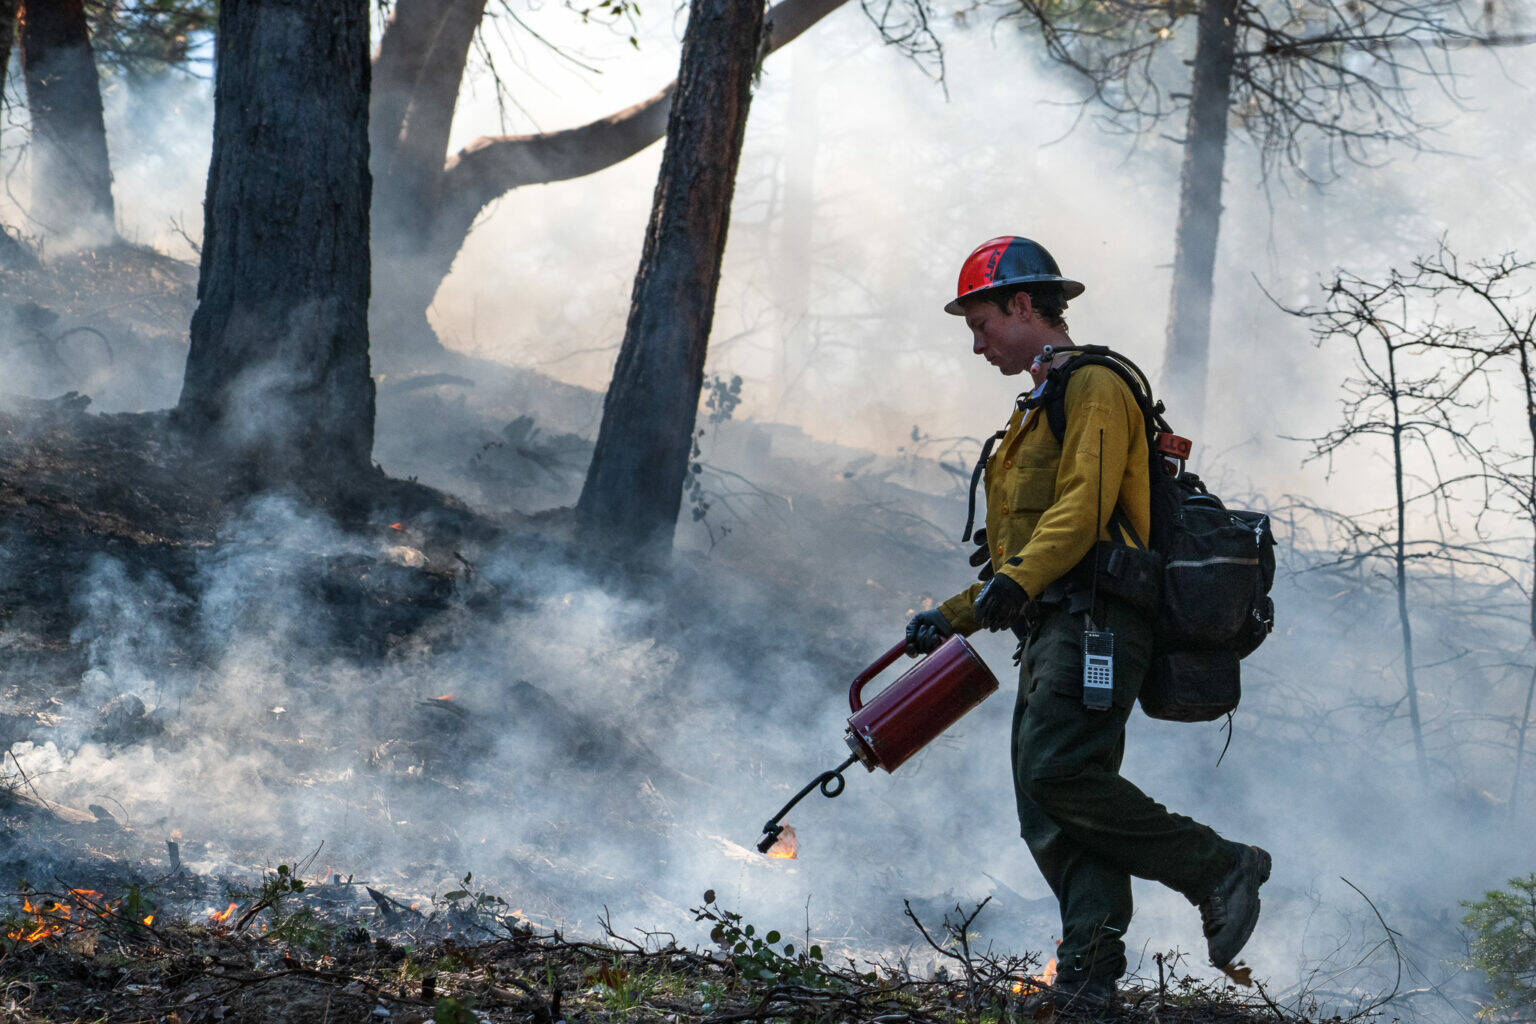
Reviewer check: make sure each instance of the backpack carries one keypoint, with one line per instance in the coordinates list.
(1204, 576)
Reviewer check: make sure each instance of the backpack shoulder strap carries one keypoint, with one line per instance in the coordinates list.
(1053, 396)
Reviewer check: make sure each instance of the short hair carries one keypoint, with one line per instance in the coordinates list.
(1046, 297)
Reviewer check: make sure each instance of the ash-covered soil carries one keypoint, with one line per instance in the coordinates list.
(314, 956)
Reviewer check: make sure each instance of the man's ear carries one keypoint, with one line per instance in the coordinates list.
(1022, 305)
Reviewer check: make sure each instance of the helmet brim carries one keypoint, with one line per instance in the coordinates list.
(1069, 290)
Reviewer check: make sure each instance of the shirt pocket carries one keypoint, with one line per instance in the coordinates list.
(1030, 489)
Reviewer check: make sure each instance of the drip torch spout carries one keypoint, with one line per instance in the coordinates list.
(831, 783)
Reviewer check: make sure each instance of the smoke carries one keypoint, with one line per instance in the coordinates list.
(605, 745)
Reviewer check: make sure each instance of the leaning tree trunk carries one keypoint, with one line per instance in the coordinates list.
(629, 504)
(1194, 257)
(278, 368)
(71, 175)
(426, 202)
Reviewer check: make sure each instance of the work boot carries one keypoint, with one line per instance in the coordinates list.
(1081, 996)
(1229, 912)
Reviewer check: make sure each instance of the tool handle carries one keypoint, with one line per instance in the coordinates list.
(856, 691)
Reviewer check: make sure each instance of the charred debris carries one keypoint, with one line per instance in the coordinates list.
(336, 950)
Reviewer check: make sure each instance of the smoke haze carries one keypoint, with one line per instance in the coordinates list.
(623, 747)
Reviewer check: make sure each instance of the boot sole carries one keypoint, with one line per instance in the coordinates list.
(1264, 864)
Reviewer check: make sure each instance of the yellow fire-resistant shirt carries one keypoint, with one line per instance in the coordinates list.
(1041, 493)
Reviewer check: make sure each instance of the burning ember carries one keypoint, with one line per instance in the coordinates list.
(786, 847)
(1042, 980)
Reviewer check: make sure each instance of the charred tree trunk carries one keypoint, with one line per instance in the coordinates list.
(278, 368)
(633, 490)
(426, 203)
(13, 252)
(71, 175)
(8, 10)
(1194, 257)
(418, 72)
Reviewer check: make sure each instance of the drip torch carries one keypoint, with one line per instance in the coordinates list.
(902, 718)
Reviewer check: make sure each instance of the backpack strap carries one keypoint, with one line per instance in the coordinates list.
(981, 464)
(1054, 394)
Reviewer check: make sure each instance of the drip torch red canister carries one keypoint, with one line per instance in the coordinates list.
(902, 718)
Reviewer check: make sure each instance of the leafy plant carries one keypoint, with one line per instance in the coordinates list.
(623, 990)
(1503, 946)
(449, 1010)
(275, 887)
(721, 397)
(304, 928)
(762, 957)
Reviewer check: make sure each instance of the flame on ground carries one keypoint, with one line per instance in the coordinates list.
(1044, 979)
(219, 917)
(786, 847)
(48, 920)
(54, 918)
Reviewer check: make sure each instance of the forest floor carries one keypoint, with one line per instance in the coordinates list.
(309, 956)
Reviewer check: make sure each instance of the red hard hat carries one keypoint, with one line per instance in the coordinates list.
(1004, 261)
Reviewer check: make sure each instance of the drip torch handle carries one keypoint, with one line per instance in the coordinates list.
(856, 691)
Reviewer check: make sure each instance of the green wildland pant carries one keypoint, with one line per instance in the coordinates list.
(1089, 828)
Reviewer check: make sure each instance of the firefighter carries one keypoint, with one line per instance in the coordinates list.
(1089, 829)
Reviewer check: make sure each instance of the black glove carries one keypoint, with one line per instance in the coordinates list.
(981, 558)
(999, 603)
(926, 631)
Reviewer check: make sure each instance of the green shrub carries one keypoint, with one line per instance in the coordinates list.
(1502, 945)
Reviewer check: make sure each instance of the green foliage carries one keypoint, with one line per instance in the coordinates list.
(303, 928)
(150, 36)
(448, 1010)
(721, 397)
(621, 990)
(1503, 946)
(755, 956)
(135, 906)
(616, 14)
(276, 886)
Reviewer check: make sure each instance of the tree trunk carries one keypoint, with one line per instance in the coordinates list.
(629, 503)
(71, 176)
(1194, 257)
(14, 253)
(426, 206)
(418, 74)
(1401, 565)
(278, 368)
(7, 36)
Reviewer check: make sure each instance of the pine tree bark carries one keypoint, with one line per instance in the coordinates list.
(427, 202)
(13, 252)
(8, 10)
(278, 368)
(629, 503)
(1194, 259)
(71, 174)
